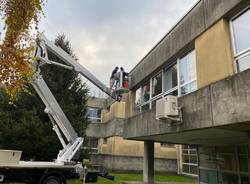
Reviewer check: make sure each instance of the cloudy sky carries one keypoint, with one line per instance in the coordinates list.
(109, 33)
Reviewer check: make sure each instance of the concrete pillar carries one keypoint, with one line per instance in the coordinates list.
(148, 162)
(179, 159)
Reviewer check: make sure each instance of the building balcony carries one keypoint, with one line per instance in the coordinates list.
(216, 114)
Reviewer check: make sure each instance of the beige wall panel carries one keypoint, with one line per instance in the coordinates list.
(130, 103)
(214, 58)
(106, 148)
(117, 110)
(127, 147)
(119, 146)
(122, 147)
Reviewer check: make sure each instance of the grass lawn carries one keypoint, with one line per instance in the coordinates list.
(136, 177)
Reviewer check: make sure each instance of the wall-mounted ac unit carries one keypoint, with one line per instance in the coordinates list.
(167, 107)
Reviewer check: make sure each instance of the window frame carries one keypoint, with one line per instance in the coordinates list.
(179, 73)
(236, 154)
(165, 93)
(240, 54)
(189, 154)
(94, 119)
(152, 99)
(141, 104)
(150, 92)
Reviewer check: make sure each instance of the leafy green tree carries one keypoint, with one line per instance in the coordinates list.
(25, 126)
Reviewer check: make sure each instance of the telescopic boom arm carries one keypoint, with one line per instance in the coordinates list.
(70, 62)
(61, 124)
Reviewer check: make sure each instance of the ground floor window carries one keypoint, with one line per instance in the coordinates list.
(224, 165)
(189, 160)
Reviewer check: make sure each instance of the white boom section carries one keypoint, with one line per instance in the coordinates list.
(60, 122)
(53, 108)
(58, 119)
(46, 44)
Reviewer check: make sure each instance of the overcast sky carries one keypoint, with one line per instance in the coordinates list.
(109, 33)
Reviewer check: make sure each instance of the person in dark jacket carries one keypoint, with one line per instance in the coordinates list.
(125, 74)
(114, 77)
(124, 77)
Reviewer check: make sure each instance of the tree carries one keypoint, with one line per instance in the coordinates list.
(16, 49)
(26, 127)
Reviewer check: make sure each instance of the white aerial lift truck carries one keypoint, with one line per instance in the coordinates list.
(64, 166)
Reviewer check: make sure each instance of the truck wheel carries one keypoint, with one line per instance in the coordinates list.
(52, 180)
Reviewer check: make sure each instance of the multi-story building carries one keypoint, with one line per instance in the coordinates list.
(118, 154)
(204, 60)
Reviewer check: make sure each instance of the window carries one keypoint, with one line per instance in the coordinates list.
(138, 97)
(92, 143)
(142, 98)
(146, 92)
(94, 114)
(177, 79)
(187, 78)
(153, 103)
(240, 33)
(170, 79)
(229, 164)
(189, 160)
(157, 85)
(145, 107)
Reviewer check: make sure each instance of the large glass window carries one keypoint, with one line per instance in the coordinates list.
(241, 30)
(170, 79)
(157, 84)
(208, 177)
(227, 158)
(187, 78)
(177, 79)
(224, 164)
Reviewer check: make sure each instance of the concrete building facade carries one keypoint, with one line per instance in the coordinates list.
(94, 109)
(204, 60)
(118, 154)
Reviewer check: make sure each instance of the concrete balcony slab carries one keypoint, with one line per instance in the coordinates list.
(215, 114)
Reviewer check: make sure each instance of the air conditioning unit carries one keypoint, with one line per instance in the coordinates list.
(167, 107)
